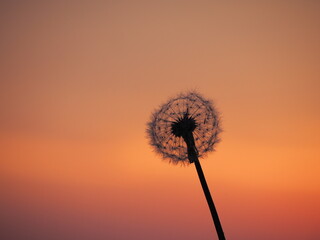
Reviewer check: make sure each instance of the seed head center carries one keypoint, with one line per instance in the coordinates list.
(183, 126)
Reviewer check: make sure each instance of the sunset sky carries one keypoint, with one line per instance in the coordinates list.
(80, 79)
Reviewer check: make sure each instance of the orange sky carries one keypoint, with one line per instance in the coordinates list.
(79, 80)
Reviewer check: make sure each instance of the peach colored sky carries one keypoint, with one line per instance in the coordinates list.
(79, 80)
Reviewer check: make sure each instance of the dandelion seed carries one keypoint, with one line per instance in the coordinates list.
(177, 116)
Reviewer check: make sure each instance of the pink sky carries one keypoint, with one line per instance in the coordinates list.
(79, 80)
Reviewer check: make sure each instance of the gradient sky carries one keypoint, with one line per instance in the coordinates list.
(79, 80)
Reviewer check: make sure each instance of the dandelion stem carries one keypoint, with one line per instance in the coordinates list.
(211, 205)
(193, 157)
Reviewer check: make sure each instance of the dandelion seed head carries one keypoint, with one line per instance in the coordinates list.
(186, 113)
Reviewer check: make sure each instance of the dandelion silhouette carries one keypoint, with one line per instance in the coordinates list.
(183, 130)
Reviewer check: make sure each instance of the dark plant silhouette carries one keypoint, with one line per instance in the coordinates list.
(183, 130)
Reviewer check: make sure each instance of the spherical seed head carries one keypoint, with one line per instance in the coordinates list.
(188, 113)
